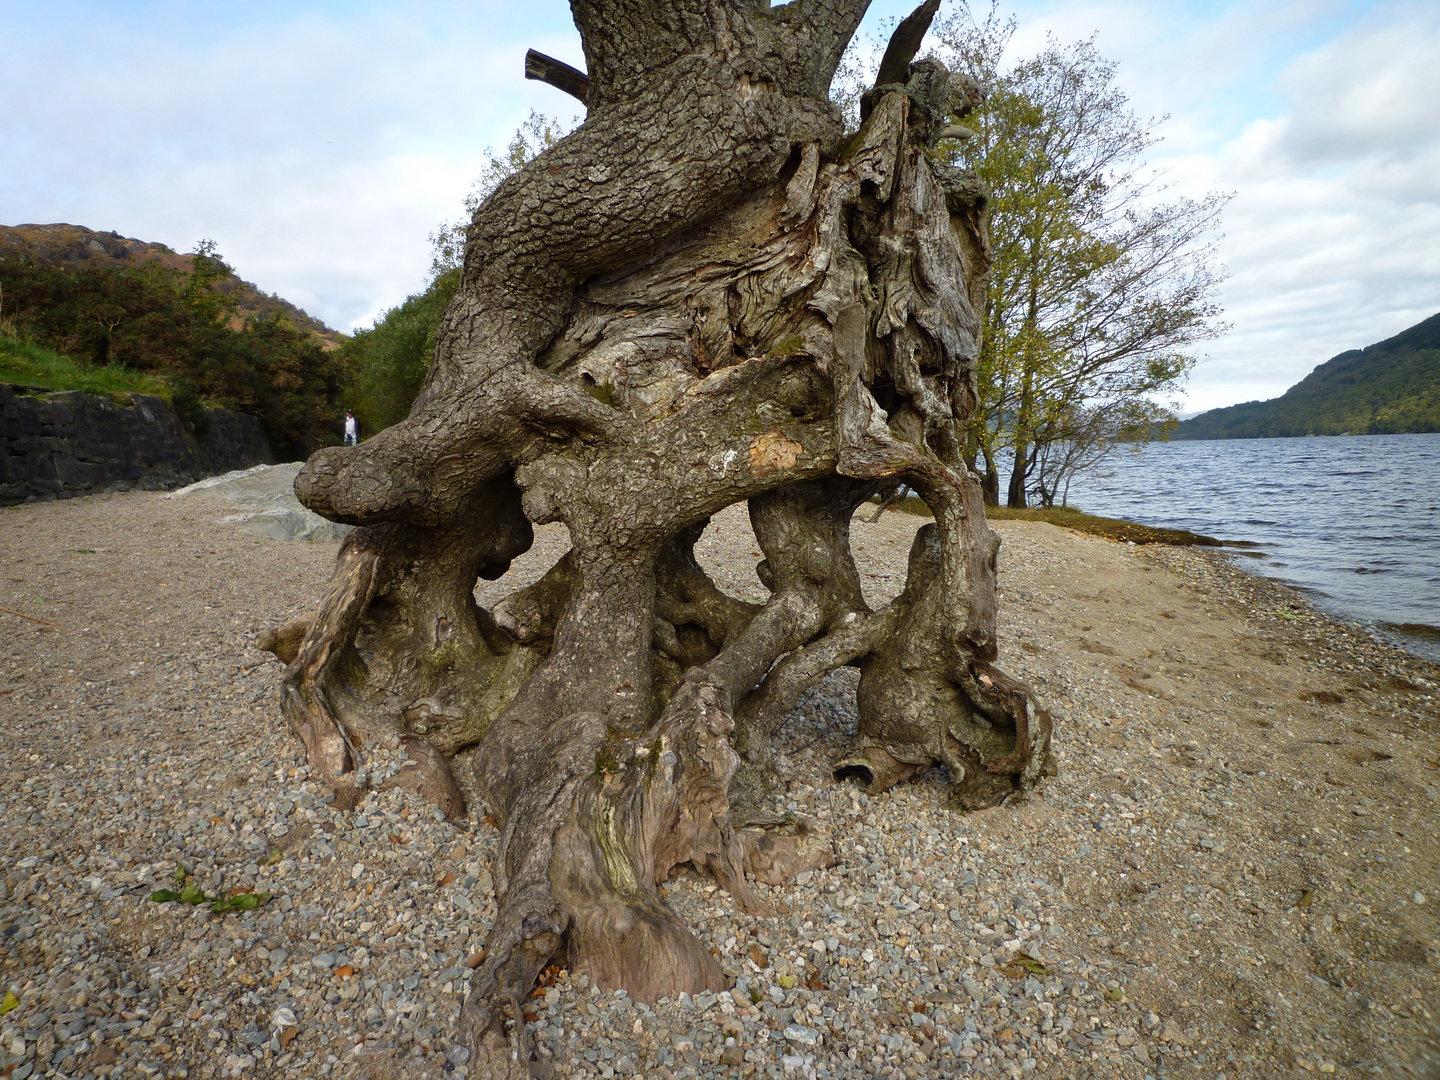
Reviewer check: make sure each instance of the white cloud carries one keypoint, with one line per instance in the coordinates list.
(1333, 238)
(318, 151)
(1373, 92)
(318, 146)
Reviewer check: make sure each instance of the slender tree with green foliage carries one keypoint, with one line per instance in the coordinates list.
(1100, 287)
(201, 286)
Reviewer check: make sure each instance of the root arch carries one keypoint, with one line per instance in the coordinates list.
(685, 306)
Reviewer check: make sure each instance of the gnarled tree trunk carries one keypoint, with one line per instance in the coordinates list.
(704, 295)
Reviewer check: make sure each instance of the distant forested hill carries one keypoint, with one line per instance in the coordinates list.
(76, 248)
(1390, 388)
(82, 308)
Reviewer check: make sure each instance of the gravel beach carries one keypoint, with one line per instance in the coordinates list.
(1236, 872)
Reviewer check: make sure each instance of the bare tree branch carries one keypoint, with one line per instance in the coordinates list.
(905, 43)
(557, 73)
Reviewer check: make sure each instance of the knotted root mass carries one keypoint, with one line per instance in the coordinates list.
(704, 295)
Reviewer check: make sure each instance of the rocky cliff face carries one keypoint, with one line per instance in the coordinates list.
(58, 445)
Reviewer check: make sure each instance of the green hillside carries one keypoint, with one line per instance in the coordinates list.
(1390, 388)
(74, 248)
(134, 316)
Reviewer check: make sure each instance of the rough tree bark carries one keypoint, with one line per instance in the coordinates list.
(706, 294)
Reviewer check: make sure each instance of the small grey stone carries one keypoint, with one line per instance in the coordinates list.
(804, 1036)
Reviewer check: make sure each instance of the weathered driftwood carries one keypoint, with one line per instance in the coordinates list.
(704, 295)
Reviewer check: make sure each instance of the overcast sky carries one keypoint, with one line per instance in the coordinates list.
(319, 143)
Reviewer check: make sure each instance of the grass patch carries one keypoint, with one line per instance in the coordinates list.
(912, 504)
(30, 365)
(1068, 517)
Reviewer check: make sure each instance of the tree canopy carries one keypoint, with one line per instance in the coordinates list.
(1100, 287)
(387, 363)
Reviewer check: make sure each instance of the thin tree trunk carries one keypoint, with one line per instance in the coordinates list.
(1024, 430)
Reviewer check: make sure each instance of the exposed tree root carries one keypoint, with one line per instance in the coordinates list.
(642, 339)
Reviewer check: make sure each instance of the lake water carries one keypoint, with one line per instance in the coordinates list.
(1355, 520)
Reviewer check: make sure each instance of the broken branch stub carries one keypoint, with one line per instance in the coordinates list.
(556, 73)
(653, 327)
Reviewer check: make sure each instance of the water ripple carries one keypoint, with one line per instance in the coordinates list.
(1350, 517)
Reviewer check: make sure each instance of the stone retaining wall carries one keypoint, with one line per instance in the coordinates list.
(55, 445)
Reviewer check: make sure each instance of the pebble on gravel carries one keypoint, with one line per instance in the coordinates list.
(1137, 916)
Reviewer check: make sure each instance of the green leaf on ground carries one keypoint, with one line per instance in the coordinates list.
(1022, 964)
(193, 894)
(10, 1002)
(247, 901)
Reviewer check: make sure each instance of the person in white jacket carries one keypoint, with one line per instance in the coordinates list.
(352, 429)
